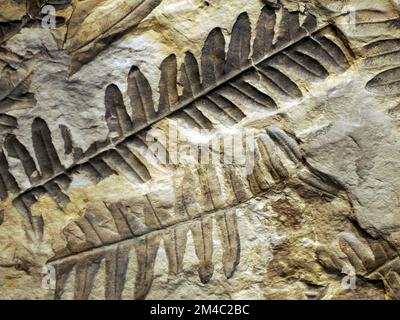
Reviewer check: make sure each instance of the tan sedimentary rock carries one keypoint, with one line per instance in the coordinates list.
(118, 129)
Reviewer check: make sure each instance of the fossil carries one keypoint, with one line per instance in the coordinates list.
(283, 53)
(384, 54)
(373, 259)
(91, 239)
(268, 64)
(299, 52)
(91, 26)
(16, 74)
(32, 18)
(7, 122)
(15, 78)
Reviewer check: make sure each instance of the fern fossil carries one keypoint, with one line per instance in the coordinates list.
(372, 259)
(85, 15)
(7, 122)
(258, 76)
(111, 231)
(15, 77)
(384, 54)
(92, 27)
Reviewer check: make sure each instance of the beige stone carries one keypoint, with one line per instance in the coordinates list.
(103, 127)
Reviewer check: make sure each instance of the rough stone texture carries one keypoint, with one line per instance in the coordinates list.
(84, 191)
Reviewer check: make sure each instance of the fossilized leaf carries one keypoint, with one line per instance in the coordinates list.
(8, 29)
(7, 122)
(14, 86)
(93, 21)
(373, 259)
(382, 53)
(386, 82)
(385, 55)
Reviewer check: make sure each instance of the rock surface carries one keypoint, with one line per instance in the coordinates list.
(189, 149)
